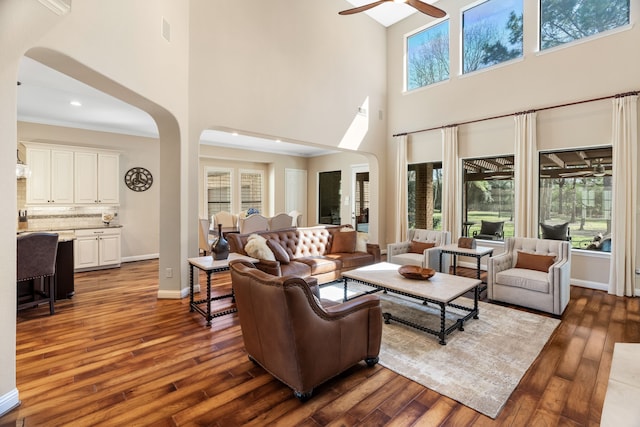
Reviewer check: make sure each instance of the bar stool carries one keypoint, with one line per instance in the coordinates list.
(36, 259)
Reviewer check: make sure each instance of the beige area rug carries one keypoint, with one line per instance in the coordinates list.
(479, 367)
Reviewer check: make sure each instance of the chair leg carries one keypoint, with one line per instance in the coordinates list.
(50, 293)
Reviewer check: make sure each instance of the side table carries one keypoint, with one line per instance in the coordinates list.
(210, 266)
(477, 253)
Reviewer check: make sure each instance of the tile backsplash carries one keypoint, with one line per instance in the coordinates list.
(62, 217)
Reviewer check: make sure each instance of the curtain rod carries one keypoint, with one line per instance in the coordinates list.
(619, 95)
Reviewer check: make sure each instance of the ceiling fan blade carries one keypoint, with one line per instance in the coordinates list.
(362, 8)
(575, 174)
(427, 9)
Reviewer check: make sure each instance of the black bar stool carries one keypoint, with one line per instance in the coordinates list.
(36, 259)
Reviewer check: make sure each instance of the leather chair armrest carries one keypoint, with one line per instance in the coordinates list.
(374, 249)
(364, 302)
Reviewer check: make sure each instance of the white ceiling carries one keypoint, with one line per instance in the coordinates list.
(387, 13)
(45, 97)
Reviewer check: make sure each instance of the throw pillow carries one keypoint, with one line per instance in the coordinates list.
(278, 251)
(256, 247)
(361, 242)
(416, 247)
(531, 261)
(555, 232)
(343, 242)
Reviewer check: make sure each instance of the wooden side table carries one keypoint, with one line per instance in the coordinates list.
(210, 266)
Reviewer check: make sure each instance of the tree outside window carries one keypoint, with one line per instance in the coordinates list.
(491, 34)
(563, 21)
(428, 56)
(488, 195)
(575, 188)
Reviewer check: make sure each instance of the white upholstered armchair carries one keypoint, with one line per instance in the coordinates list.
(411, 252)
(533, 273)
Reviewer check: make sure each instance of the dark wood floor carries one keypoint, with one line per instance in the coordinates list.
(116, 355)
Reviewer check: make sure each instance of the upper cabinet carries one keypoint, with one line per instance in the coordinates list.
(51, 180)
(96, 178)
(72, 175)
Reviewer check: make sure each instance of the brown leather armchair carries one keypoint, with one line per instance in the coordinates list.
(299, 340)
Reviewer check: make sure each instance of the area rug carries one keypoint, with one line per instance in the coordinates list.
(479, 367)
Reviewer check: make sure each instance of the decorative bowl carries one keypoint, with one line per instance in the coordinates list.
(416, 273)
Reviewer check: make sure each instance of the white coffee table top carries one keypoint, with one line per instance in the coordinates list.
(207, 263)
(441, 287)
(478, 250)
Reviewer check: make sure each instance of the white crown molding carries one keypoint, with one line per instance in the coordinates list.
(59, 7)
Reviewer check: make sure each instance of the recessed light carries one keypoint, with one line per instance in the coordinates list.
(76, 103)
(277, 140)
(235, 134)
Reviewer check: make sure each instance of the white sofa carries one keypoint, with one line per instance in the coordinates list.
(546, 291)
(398, 253)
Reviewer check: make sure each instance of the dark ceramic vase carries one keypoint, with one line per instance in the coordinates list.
(220, 247)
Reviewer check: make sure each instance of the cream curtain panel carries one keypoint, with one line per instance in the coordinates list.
(402, 210)
(624, 138)
(451, 186)
(526, 176)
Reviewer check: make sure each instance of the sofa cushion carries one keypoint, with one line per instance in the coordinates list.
(344, 242)
(526, 279)
(352, 260)
(361, 241)
(295, 268)
(408, 258)
(420, 247)
(256, 247)
(279, 252)
(321, 264)
(531, 261)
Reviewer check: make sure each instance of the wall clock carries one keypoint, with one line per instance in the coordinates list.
(138, 179)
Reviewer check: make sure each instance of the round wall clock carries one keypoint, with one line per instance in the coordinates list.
(138, 179)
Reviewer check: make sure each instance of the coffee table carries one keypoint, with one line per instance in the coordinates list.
(210, 266)
(441, 289)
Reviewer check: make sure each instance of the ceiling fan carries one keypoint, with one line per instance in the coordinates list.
(421, 6)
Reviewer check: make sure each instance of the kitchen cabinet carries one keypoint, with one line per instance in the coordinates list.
(51, 180)
(96, 178)
(97, 248)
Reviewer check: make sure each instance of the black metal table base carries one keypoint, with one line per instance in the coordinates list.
(194, 305)
(444, 330)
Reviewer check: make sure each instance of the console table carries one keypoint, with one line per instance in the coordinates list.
(210, 266)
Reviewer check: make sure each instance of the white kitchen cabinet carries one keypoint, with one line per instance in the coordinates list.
(51, 180)
(97, 248)
(96, 178)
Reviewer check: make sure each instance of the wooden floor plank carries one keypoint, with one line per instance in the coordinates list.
(116, 355)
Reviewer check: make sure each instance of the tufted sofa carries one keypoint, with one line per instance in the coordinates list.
(310, 252)
(521, 275)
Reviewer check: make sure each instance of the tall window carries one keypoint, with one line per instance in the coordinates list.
(488, 197)
(491, 34)
(424, 192)
(428, 56)
(251, 190)
(575, 189)
(563, 21)
(218, 191)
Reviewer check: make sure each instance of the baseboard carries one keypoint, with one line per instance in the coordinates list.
(182, 293)
(9, 401)
(140, 257)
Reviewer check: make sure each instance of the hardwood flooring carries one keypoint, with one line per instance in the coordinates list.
(115, 355)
